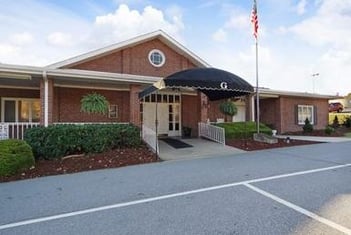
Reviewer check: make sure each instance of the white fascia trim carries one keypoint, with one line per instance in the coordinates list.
(21, 69)
(269, 92)
(91, 87)
(103, 76)
(20, 87)
(128, 43)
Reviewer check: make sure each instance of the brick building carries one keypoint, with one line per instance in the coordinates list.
(52, 94)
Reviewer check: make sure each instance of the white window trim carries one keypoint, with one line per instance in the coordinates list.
(302, 122)
(161, 53)
(3, 99)
(110, 110)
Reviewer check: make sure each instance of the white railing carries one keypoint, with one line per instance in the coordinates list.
(88, 123)
(150, 138)
(212, 132)
(15, 130)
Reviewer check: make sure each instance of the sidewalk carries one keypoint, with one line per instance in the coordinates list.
(315, 138)
(201, 148)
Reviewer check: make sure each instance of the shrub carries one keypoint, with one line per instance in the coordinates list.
(307, 128)
(15, 155)
(347, 122)
(329, 130)
(61, 140)
(236, 130)
(336, 122)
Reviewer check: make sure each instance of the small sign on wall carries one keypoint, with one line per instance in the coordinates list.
(4, 131)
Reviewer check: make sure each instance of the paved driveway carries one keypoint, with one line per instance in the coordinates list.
(296, 190)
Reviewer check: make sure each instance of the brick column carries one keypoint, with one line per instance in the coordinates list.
(50, 101)
(134, 105)
(203, 107)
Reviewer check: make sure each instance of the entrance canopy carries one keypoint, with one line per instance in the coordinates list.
(216, 84)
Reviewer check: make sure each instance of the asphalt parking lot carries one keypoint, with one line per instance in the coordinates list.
(296, 190)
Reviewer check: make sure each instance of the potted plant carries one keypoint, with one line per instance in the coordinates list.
(186, 131)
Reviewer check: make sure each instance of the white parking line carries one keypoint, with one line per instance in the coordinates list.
(167, 196)
(301, 210)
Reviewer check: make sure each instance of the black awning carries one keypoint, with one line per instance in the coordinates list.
(216, 84)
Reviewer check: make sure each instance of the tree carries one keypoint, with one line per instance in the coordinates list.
(307, 128)
(228, 108)
(94, 103)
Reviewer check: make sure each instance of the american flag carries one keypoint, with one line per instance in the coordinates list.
(254, 19)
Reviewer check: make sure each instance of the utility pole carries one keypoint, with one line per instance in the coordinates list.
(313, 76)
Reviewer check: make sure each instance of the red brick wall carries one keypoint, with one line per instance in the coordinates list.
(134, 110)
(269, 112)
(67, 105)
(135, 60)
(288, 113)
(190, 112)
(108, 63)
(213, 112)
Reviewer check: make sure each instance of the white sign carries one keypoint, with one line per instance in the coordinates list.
(4, 131)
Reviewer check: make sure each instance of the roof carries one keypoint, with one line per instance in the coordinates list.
(159, 34)
(266, 92)
(26, 72)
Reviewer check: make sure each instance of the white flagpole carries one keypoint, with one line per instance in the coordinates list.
(257, 93)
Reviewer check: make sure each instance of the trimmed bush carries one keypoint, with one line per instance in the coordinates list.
(307, 128)
(347, 122)
(15, 155)
(336, 122)
(329, 130)
(61, 140)
(237, 130)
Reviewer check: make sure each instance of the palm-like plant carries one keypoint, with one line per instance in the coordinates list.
(228, 108)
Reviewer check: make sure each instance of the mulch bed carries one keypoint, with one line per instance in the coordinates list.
(251, 145)
(125, 157)
(110, 159)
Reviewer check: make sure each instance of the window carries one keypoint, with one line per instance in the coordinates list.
(303, 112)
(113, 111)
(20, 110)
(157, 58)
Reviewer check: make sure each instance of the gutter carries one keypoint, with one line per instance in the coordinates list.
(46, 98)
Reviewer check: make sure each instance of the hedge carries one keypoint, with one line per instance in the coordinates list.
(60, 140)
(238, 130)
(15, 155)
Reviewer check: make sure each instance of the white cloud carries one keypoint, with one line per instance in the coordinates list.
(301, 7)
(7, 50)
(125, 23)
(220, 35)
(328, 31)
(241, 21)
(22, 38)
(60, 39)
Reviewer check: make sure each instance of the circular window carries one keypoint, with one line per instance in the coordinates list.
(157, 58)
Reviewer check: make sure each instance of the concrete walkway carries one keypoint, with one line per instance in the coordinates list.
(201, 149)
(316, 138)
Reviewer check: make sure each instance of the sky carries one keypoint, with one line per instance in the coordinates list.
(303, 45)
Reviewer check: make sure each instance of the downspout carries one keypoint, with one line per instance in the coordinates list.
(46, 99)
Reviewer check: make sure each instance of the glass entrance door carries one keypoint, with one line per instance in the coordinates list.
(174, 119)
